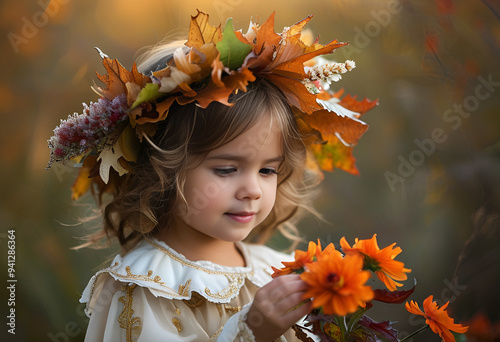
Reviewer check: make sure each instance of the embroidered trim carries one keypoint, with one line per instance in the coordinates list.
(185, 289)
(235, 283)
(147, 278)
(175, 257)
(245, 334)
(132, 325)
(177, 324)
(217, 333)
(233, 309)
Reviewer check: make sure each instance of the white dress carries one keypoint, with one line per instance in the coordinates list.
(154, 294)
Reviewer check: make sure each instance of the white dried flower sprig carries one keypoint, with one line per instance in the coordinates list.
(330, 72)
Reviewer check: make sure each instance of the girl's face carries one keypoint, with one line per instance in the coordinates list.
(234, 188)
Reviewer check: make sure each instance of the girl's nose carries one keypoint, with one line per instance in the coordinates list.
(249, 188)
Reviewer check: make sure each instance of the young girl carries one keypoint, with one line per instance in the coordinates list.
(197, 157)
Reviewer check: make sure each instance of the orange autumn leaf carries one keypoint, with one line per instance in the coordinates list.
(117, 77)
(265, 42)
(337, 125)
(335, 155)
(219, 89)
(296, 65)
(83, 181)
(437, 318)
(331, 126)
(360, 107)
(281, 58)
(296, 94)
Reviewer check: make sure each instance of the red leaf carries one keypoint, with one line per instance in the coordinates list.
(396, 297)
(383, 328)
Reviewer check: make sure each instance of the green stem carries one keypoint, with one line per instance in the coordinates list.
(342, 325)
(354, 318)
(415, 332)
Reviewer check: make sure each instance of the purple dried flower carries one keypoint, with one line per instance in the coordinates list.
(82, 132)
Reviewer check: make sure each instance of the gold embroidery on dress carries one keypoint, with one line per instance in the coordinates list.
(184, 289)
(177, 310)
(217, 333)
(168, 291)
(235, 283)
(227, 309)
(196, 300)
(232, 309)
(132, 325)
(147, 277)
(177, 324)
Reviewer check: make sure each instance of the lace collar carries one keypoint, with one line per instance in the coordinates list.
(166, 273)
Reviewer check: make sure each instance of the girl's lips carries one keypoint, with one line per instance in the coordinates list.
(241, 217)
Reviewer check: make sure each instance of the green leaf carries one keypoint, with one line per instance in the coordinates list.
(148, 93)
(232, 50)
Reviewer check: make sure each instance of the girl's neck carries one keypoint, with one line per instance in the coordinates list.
(202, 247)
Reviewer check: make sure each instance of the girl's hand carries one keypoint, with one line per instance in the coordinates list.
(271, 313)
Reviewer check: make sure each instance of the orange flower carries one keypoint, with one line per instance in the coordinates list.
(301, 259)
(437, 318)
(337, 284)
(380, 261)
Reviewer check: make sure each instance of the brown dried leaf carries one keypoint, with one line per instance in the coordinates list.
(117, 77)
(201, 32)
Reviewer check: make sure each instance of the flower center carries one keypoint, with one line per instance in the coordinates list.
(334, 280)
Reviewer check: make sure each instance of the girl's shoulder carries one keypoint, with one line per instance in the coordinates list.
(168, 274)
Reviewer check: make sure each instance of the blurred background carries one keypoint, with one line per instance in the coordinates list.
(429, 164)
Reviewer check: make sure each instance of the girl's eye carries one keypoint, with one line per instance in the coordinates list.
(268, 171)
(224, 171)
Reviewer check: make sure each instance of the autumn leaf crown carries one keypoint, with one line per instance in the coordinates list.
(104, 139)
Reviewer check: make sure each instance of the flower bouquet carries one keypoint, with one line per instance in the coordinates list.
(341, 298)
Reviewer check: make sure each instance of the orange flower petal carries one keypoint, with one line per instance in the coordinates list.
(381, 261)
(337, 284)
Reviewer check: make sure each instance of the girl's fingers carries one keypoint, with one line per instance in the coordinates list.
(290, 303)
(296, 314)
(279, 289)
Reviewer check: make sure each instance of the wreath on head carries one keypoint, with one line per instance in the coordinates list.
(104, 139)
